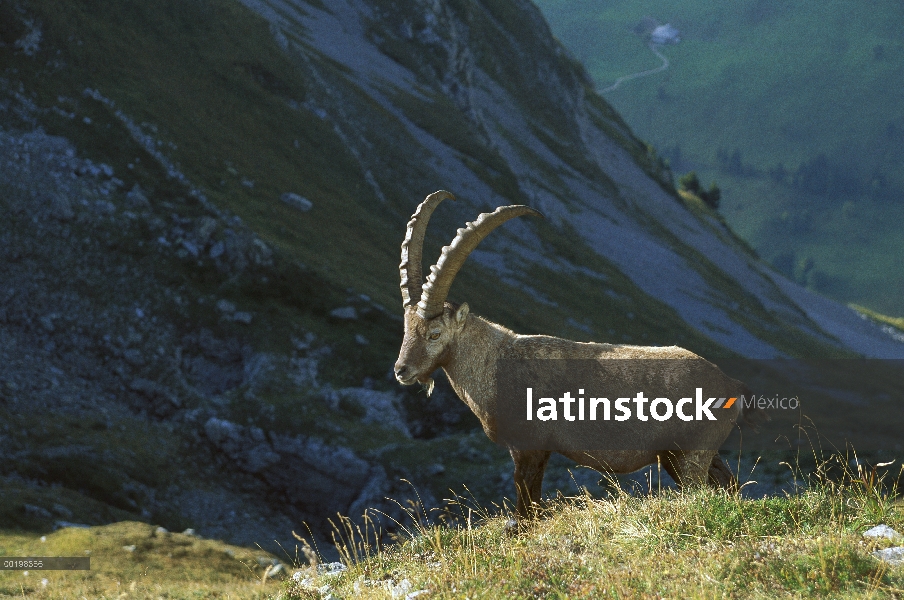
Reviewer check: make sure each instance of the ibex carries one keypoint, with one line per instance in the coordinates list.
(440, 334)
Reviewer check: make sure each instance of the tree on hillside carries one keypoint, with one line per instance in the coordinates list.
(712, 196)
(823, 177)
(691, 183)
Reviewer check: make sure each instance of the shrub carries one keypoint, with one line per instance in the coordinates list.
(690, 183)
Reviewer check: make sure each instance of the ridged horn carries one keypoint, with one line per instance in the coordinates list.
(412, 247)
(453, 256)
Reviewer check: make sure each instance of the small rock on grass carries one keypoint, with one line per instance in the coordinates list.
(894, 556)
(331, 569)
(883, 531)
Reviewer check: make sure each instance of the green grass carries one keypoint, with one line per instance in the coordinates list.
(697, 544)
(896, 322)
(693, 544)
(160, 565)
(781, 83)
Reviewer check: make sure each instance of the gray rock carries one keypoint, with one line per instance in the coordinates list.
(303, 372)
(36, 512)
(883, 531)
(161, 401)
(238, 443)
(206, 228)
(894, 556)
(345, 312)
(104, 207)
(225, 306)
(134, 357)
(401, 590)
(217, 250)
(264, 561)
(63, 524)
(242, 317)
(296, 201)
(384, 408)
(61, 207)
(260, 253)
(191, 247)
(137, 198)
(47, 322)
(30, 43)
(331, 569)
(371, 494)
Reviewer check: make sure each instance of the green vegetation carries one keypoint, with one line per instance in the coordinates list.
(701, 543)
(135, 560)
(228, 117)
(896, 322)
(690, 183)
(698, 544)
(794, 108)
(207, 78)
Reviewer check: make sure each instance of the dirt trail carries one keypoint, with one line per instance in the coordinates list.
(659, 69)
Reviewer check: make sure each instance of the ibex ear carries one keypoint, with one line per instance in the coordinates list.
(462, 313)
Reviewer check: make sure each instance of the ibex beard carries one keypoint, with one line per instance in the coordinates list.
(470, 349)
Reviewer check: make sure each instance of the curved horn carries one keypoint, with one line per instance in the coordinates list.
(410, 268)
(443, 273)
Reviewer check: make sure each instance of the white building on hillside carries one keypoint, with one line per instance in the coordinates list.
(665, 34)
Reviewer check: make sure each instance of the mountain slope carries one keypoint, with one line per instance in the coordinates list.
(795, 110)
(565, 152)
(164, 288)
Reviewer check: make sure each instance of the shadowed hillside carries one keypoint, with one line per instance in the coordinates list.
(201, 206)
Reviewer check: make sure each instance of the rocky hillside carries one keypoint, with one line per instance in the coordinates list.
(201, 205)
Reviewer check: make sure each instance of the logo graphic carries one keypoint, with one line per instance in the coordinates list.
(660, 409)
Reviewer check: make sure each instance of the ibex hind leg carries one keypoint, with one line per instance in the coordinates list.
(688, 469)
(529, 469)
(720, 475)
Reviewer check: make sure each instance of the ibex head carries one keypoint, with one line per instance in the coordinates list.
(432, 325)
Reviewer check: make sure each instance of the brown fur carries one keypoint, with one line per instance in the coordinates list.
(467, 347)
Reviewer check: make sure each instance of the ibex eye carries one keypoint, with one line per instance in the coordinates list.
(434, 336)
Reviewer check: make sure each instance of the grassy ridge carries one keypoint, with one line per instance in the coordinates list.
(700, 544)
(780, 84)
(694, 544)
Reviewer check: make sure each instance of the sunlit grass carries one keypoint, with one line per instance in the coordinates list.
(135, 560)
(896, 322)
(699, 544)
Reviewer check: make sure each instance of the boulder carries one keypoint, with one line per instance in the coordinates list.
(296, 201)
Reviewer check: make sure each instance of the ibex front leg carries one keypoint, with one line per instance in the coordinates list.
(529, 469)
